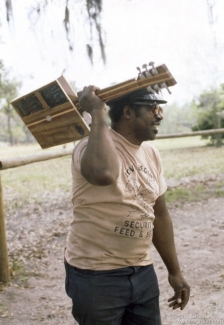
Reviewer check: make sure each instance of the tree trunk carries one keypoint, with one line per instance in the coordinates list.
(4, 266)
(9, 113)
(218, 126)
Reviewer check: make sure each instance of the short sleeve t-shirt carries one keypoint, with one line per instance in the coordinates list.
(112, 225)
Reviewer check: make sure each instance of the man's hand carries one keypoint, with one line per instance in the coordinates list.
(181, 291)
(89, 101)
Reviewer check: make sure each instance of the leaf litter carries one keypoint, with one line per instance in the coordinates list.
(36, 234)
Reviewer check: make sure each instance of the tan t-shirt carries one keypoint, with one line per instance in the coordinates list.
(112, 225)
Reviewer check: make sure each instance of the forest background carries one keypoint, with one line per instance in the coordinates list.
(82, 39)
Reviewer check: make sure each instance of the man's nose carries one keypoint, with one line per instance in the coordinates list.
(158, 112)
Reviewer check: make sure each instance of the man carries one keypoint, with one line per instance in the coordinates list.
(119, 209)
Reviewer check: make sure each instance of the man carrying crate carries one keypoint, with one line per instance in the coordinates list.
(119, 211)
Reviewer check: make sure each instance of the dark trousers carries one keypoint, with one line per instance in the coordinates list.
(126, 296)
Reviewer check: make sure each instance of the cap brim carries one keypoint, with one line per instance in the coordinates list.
(149, 103)
(149, 98)
(144, 98)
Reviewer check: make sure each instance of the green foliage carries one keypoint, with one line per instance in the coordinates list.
(177, 119)
(10, 124)
(209, 113)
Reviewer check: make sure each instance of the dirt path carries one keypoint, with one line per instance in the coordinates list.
(36, 240)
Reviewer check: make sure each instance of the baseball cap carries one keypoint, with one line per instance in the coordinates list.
(142, 96)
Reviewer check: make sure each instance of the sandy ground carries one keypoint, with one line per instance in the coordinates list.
(36, 237)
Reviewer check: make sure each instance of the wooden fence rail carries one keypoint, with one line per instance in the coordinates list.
(25, 160)
(21, 161)
(190, 134)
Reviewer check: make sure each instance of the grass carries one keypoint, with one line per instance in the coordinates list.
(3, 310)
(7, 152)
(18, 271)
(47, 175)
(180, 163)
(182, 194)
(19, 274)
(219, 192)
(38, 183)
(192, 194)
(177, 143)
(182, 157)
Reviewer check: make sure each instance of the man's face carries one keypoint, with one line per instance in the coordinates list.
(146, 122)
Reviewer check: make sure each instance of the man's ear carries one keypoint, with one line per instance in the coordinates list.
(127, 112)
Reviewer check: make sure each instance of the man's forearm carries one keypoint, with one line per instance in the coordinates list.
(99, 164)
(163, 237)
(163, 240)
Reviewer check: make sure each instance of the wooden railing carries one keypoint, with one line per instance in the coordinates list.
(190, 134)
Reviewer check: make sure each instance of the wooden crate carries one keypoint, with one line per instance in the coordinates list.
(51, 115)
(51, 112)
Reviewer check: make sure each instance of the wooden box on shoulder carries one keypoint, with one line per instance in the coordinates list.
(51, 112)
(51, 115)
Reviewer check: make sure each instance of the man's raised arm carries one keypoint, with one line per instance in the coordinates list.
(99, 164)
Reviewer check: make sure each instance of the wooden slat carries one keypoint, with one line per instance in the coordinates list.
(38, 95)
(41, 115)
(68, 89)
(128, 86)
(61, 129)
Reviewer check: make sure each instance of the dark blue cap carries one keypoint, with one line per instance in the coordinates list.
(141, 97)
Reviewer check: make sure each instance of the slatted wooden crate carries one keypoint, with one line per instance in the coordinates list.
(51, 115)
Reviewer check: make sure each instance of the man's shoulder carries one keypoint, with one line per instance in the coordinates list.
(82, 143)
(150, 147)
(152, 152)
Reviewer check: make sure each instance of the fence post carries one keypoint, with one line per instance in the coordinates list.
(4, 264)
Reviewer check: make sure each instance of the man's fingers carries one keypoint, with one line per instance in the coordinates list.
(171, 299)
(91, 88)
(179, 302)
(79, 94)
(87, 89)
(185, 298)
(94, 88)
(178, 295)
(176, 298)
(174, 305)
